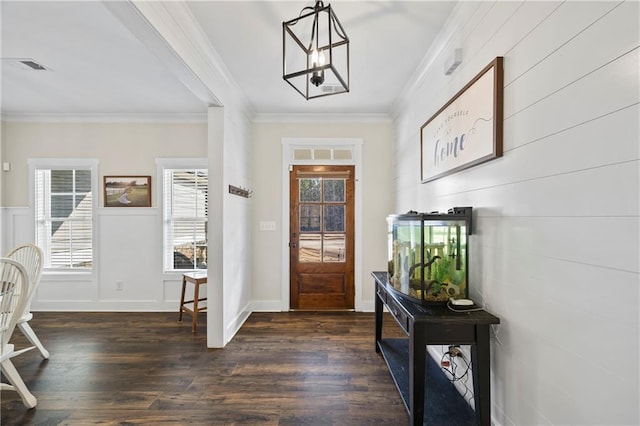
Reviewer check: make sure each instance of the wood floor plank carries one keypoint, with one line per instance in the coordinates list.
(168, 417)
(123, 400)
(297, 368)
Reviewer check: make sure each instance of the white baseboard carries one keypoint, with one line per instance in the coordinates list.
(236, 323)
(368, 306)
(266, 306)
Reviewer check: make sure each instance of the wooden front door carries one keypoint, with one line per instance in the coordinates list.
(321, 237)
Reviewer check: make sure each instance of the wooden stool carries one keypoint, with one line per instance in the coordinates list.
(197, 278)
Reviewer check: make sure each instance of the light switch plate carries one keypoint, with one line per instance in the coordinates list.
(267, 225)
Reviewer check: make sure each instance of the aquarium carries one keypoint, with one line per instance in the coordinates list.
(428, 255)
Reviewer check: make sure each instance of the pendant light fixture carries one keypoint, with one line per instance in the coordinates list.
(315, 52)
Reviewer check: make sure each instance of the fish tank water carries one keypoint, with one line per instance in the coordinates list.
(428, 255)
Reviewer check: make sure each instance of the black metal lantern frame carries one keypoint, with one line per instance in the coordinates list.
(315, 53)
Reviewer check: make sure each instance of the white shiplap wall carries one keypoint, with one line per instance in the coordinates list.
(555, 247)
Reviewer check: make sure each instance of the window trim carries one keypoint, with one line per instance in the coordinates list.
(91, 164)
(163, 163)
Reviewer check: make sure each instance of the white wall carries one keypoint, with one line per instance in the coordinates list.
(555, 246)
(229, 164)
(2, 228)
(129, 245)
(236, 223)
(376, 185)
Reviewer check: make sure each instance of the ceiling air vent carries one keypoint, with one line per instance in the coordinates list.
(24, 64)
(33, 65)
(331, 88)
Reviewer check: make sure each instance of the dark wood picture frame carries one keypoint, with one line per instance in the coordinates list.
(127, 191)
(467, 130)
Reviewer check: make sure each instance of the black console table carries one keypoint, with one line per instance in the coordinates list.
(432, 325)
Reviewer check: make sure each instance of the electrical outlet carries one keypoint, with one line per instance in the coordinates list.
(119, 285)
(455, 351)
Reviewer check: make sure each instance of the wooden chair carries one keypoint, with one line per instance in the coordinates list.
(14, 286)
(31, 257)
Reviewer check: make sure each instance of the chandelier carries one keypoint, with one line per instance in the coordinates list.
(315, 53)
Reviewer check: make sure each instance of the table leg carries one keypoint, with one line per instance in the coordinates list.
(417, 372)
(378, 311)
(184, 285)
(196, 296)
(480, 359)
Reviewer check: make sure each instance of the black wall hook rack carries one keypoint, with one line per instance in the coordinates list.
(242, 192)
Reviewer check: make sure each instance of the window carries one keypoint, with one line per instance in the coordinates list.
(185, 218)
(322, 219)
(64, 205)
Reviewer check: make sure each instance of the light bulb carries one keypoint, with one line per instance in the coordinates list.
(317, 60)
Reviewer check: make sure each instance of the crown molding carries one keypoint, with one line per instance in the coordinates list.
(106, 118)
(320, 118)
(192, 118)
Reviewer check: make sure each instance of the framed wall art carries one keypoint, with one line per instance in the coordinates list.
(127, 191)
(467, 130)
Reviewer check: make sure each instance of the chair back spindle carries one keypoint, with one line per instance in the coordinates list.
(30, 256)
(13, 297)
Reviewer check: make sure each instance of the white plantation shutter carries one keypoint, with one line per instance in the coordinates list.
(64, 210)
(185, 218)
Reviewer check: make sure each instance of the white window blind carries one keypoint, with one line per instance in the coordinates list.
(185, 218)
(64, 217)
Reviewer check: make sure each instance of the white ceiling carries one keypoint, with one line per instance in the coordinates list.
(97, 66)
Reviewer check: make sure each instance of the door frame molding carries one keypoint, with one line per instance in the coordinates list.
(288, 147)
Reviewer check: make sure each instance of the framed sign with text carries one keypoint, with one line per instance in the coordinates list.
(467, 130)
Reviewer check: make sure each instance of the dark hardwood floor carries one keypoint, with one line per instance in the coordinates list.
(296, 368)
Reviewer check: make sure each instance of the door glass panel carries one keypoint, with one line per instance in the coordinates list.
(310, 190)
(310, 245)
(334, 190)
(310, 218)
(333, 248)
(334, 218)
